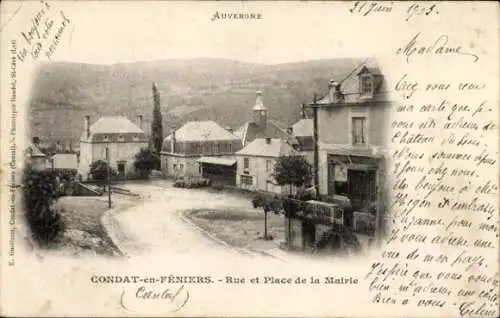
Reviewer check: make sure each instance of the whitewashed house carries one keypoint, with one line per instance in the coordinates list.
(123, 138)
(255, 164)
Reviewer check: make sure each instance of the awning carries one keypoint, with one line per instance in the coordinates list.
(217, 161)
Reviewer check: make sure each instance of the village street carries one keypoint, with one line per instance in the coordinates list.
(158, 225)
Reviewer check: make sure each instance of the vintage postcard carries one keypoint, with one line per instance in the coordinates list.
(251, 158)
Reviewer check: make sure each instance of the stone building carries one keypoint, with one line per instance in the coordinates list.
(255, 164)
(196, 144)
(352, 121)
(123, 138)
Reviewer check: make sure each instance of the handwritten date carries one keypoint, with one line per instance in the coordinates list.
(365, 8)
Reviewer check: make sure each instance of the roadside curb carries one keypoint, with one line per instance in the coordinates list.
(109, 225)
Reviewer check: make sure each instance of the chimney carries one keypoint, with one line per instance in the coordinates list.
(87, 126)
(139, 121)
(334, 92)
(268, 140)
(172, 141)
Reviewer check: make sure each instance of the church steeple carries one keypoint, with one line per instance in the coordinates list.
(259, 111)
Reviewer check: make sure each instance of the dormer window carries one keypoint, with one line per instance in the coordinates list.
(366, 85)
(135, 137)
(120, 137)
(105, 137)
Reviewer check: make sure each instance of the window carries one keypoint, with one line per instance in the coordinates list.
(230, 148)
(269, 166)
(105, 137)
(135, 137)
(246, 163)
(181, 166)
(206, 148)
(120, 137)
(358, 130)
(175, 166)
(246, 180)
(366, 85)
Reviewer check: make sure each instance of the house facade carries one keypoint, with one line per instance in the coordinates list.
(123, 138)
(255, 164)
(187, 149)
(352, 156)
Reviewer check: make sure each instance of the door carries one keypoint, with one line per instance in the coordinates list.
(121, 169)
(331, 178)
(362, 187)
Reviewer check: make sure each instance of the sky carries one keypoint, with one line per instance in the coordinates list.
(117, 32)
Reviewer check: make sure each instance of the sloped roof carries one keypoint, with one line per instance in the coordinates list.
(114, 124)
(202, 131)
(251, 131)
(109, 125)
(262, 148)
(350, 86)
(303, 128)
(35, 152)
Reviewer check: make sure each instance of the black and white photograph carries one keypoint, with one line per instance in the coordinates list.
(293, 158)
(311, 185)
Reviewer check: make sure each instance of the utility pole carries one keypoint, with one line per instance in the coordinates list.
(108, 176)
(315, 139)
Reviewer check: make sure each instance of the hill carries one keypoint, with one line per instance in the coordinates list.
(192, 89)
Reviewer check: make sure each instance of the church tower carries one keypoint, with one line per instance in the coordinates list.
(259, 111)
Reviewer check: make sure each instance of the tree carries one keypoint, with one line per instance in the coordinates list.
(157, 125)
(145, 161)
(99, 170)
(39, 195)
(267, 204)
(296, 171)
(292, 170)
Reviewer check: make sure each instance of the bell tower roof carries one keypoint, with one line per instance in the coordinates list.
(259, 105)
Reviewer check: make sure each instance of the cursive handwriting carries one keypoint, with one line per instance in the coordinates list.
(365, 8)
(420, 9)
(439, 47)
(43, 34)
(173, 299)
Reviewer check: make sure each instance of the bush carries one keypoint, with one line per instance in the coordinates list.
(217, 186)
(99, 171)
(258, 201)
(39, 194)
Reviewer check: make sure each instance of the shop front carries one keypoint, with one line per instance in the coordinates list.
(357, 179)
(316, 226)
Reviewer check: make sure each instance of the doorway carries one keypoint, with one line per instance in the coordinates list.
(308, 234)
(121, 169)
(362, 186)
